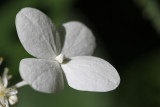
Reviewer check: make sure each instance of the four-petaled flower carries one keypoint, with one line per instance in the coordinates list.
(6, 94)
(56, 60)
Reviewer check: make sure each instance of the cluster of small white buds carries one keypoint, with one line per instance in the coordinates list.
(7, 95)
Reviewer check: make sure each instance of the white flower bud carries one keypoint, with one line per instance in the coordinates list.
(13, 99)
(1, 60)
(60, 58)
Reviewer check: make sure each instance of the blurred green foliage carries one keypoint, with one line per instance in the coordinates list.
(141, 83)
(151, 10)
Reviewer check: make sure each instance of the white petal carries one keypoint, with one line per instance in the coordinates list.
(11, 91)
(5, 77)
(37, 33)
(13, 99)
(79, 40)
(43, 75)
(4, 101)
(90, 74)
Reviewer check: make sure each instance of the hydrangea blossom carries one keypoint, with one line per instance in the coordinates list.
(56, 61)
(6, 94)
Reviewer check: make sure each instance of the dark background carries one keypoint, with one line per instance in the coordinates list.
(132, 43)
(122, 27)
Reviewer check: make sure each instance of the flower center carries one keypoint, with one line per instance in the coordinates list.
(60, 58)
(2, 93)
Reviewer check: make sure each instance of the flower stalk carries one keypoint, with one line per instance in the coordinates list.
(21, 84)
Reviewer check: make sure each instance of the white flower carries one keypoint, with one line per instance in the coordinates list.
(6, 93)
(55, 62)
